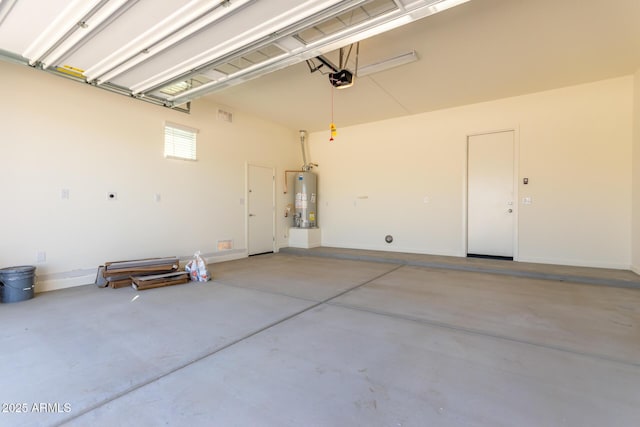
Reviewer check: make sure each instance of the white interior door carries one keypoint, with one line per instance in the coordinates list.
(490, 218)
(261, 209)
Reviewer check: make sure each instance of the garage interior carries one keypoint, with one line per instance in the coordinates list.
(398, 303)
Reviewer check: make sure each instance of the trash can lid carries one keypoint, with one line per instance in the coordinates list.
(17, 269)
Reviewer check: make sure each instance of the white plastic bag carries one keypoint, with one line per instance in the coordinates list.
(197, 269)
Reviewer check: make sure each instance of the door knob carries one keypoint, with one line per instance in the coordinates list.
(252, 214)
(510, 210)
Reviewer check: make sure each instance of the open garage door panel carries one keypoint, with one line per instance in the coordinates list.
(173, 51)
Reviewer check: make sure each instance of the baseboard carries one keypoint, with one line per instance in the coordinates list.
(575, 263)
(635, 269)
(394, 249)
(70, 279)
(214, 257)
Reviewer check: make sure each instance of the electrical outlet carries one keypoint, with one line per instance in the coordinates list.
(41, 256)
(64, 194)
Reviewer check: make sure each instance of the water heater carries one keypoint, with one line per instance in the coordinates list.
(306, 215)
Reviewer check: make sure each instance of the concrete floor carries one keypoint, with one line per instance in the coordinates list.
(310, 339)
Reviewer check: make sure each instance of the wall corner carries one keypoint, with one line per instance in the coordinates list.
(635, 183)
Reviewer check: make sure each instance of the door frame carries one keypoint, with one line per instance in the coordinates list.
(247, 166)
(516, 198)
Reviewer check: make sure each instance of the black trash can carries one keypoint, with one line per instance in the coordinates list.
(17, 283)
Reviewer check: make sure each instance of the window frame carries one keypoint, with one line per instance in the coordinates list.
(180, 142)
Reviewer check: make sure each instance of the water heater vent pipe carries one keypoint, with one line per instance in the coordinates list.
(306, 167)
(303, 135)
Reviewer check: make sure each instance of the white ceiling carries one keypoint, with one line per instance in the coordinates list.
(168, 51)
(478, 51)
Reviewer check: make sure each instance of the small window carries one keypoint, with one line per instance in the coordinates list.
(179, 141)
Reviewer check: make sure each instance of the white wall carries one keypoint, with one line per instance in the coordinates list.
(635, 235)
(574, 145)
(59, 134)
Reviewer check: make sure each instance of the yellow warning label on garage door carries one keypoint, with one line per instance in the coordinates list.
(73, 71)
